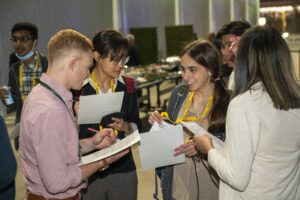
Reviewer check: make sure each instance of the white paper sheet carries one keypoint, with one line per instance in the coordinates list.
(156, 126)
(157, 147)
(198, 130)
(113, 149)
(93, 107)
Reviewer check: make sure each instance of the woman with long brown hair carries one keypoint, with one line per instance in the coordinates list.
(260, 157)
(203, 99)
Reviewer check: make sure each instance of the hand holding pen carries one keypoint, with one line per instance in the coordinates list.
(103, 138)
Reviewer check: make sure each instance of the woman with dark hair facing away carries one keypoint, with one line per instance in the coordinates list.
(261, 155)
(203, 99)
(119, 181)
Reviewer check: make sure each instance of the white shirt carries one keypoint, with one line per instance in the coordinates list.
(260, 159)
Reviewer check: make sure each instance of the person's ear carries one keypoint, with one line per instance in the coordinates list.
(72, 64)
(209, 73)
(97, 56)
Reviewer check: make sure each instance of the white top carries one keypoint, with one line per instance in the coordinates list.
(261, 156)
(230, 85)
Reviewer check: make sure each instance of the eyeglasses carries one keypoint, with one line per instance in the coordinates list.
(123, 61)
(226, 45)
(22, 39)
(233, 41)
(234, 44)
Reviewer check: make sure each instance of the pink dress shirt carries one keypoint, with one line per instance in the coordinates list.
(49, 143)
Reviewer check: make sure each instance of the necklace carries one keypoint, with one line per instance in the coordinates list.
(94, 79)
(187, 106)
(112, 87)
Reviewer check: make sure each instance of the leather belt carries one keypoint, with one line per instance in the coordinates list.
(31, 196)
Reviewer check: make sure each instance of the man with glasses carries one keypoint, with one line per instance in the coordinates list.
(227, 40)
(24, 74)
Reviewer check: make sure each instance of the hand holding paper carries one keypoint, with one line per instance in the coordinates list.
(112, 149)
(157, 146)
(198, 131)
(189, 149)
(156, 126)
(204, 143)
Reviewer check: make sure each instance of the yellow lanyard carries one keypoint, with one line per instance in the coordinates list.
(187, 106)
(112, 83)
(34, 77)
(112, 87)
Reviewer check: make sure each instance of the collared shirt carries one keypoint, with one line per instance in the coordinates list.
(28, 73)
(90, 81)
(49, 143)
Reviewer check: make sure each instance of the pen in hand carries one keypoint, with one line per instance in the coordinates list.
(96, 131)
(92, 130)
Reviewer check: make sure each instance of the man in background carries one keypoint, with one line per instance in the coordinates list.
(230, 34)
(24, 74)
(133, 53)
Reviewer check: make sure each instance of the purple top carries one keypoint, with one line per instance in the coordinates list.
(49, 143)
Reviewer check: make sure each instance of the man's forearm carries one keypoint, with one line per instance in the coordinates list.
(86, 145)
(89, 169)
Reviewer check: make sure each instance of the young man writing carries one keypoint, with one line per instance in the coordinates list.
(49, 145)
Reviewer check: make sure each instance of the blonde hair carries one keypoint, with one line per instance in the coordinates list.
(66, 41)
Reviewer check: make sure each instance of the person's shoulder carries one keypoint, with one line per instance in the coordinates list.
(180, 89)
(15, 66)
(40, 103)
(251, 99)
(14, 70)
